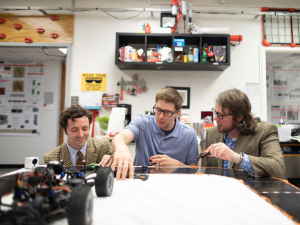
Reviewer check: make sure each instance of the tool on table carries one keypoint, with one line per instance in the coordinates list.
(135, 78)
(203, 154)
(122, 88)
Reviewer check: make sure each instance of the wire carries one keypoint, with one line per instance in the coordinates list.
(125, 18)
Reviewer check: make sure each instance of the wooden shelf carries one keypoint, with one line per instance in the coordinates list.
(145, 41)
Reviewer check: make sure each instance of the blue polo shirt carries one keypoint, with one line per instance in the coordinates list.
(150, 140)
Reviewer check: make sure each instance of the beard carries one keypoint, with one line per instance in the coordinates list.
(226, 130)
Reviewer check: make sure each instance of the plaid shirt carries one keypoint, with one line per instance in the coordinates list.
(245, 165)
(95, 150)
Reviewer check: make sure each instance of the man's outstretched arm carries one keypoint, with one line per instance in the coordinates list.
(122, 157)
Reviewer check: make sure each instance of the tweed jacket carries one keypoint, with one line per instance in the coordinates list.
(95, 150)
(262, 147)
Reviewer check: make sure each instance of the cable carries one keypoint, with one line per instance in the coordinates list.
(125, 18)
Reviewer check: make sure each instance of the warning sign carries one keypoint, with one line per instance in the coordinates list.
(93, 82)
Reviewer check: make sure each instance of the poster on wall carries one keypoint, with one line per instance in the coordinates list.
(93, 82)
(284, 87)
(21, 94)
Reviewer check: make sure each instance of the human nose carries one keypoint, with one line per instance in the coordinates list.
(80, 133)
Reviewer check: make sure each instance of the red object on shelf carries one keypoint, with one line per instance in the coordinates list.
(147, 28)
(18, 26)
(54, 35)
(54, 17)
(236, 38)
(40, 30)
(28, 40)
(2, 20)
(2, 35)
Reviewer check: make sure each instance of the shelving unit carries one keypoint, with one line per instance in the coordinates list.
(145, 41)
(110, 100)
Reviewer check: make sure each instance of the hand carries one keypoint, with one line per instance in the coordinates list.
(107, 160)
(123, 160)
(220, 150)
(164, 160)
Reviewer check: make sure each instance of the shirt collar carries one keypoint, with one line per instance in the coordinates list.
(175, 132)
(228, 139)
(74, 151)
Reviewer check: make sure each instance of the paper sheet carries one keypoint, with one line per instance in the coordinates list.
(182, 199)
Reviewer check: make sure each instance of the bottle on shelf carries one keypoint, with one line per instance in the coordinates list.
(210, 55)
(190, 55)
(281, 122)
(204, 55)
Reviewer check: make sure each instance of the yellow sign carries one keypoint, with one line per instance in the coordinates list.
(93, 82)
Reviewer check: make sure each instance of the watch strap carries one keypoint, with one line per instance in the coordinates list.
(242, 159)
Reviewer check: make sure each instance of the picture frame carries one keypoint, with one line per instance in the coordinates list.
(185, 93)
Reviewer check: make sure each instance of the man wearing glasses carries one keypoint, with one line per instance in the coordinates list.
(240, 141)
(161, 140)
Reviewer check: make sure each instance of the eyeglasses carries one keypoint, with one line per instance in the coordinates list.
(166, 112)
(221, 116)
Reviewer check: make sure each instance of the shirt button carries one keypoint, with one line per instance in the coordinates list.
(163, 142)
(73, 156)
(162, 132)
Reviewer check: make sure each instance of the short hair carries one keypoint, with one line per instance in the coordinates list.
(170, 95)
(237, 102)
(73, 112)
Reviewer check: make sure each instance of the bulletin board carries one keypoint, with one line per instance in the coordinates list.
(21, 95)
(283, 93)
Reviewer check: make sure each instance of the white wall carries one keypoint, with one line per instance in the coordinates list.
(94, 52)
(94, 49)
(14, 149)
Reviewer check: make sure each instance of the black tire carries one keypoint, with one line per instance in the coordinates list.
(41, 205)
(80, 206)
(104, 182)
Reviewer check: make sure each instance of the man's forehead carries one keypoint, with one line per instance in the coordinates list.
(165, 105)
(221, 109)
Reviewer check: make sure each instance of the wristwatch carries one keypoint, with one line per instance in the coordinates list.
(242, 158)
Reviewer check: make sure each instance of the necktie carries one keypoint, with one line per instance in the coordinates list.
(80, 158)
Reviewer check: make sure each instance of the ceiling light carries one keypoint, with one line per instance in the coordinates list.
(63, 50)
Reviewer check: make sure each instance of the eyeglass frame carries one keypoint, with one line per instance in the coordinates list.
(163, 111)
(220, 116)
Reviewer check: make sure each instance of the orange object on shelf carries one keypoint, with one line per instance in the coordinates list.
(209, 125)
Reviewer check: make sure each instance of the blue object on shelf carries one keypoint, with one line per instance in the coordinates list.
(93, 107)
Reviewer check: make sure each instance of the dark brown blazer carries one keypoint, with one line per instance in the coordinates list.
(262, 147)
(95, 150)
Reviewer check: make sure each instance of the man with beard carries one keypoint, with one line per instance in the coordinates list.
(160, 139)
(240, 141)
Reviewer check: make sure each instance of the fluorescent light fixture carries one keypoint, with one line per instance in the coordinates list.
(63, 50)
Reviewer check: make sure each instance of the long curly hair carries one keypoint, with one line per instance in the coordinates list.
(73, 112)
(238, 104)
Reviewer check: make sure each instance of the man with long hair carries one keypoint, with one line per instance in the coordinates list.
(240, 141)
